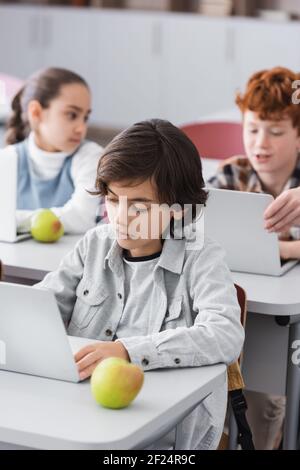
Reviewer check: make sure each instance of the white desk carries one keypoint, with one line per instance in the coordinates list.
(267, 362)
(48, 414)
(273, 324)
(29, 261)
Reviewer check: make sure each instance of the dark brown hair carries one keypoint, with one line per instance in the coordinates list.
(159, 151)
(42, 86)
(269, 93)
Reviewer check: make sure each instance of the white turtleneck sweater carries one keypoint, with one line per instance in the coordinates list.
(78, 214)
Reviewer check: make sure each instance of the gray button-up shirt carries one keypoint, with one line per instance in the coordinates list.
(195, 322)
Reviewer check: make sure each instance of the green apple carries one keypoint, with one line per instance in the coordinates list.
(46, 226)
(115, 382)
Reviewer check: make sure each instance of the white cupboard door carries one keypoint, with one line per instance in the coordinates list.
(198, 66)
(262, 45)
(127, 55)
(67, 41)
(19, 40)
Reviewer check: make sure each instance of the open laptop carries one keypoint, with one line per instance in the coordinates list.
(8, 197)
(235, 220)
(33, 339)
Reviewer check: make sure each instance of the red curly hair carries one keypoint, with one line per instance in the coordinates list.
(269, 93)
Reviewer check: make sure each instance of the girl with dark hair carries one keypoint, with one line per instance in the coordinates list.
(56, 165)
(151, 296)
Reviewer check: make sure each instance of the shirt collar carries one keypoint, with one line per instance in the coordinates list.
(255, 184)
(114, 259)
(37, 153)
(171, 258)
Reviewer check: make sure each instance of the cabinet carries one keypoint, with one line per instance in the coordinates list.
(127, 54)
(260, 45)
(67, 41)
(198, 67)
(45, 37)
(19, 40)
(140, 64)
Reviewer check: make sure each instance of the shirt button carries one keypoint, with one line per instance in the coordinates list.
(85, 292)
(108, 332)
(177, 360)
(145, 362)
(120, 296)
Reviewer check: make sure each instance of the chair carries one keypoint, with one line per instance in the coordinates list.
(9, 86)
(1, 270)
(242, 300)
(217, 140)
(239, 428)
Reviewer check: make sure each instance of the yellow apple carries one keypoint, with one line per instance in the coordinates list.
(115, 382)
(46, 226)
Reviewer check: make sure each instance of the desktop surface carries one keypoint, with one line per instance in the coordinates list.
(33, 260)
(50, 414)
(271, 295)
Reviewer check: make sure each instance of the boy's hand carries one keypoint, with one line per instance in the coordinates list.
(284, 249)
(284, 212)
(89, 357)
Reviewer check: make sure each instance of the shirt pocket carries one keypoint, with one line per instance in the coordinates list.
(87, 304)
(174, 311)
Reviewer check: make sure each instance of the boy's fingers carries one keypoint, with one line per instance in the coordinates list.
(88, 360)
(87, 372)
(84, 351)
(280, 217)
(276, 206)
(282, 206)
(284, 224)
(274, 222)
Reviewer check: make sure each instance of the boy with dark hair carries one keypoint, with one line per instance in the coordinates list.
(152, 297)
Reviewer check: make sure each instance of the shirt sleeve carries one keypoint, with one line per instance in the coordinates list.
(216, 335)
(222, 179)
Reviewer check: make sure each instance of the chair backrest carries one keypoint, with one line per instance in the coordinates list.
(9, 86)
(235, 379)
(217, 140)
(236, 397)
(242, 299)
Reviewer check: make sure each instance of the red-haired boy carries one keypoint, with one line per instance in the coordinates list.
(271, 132)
